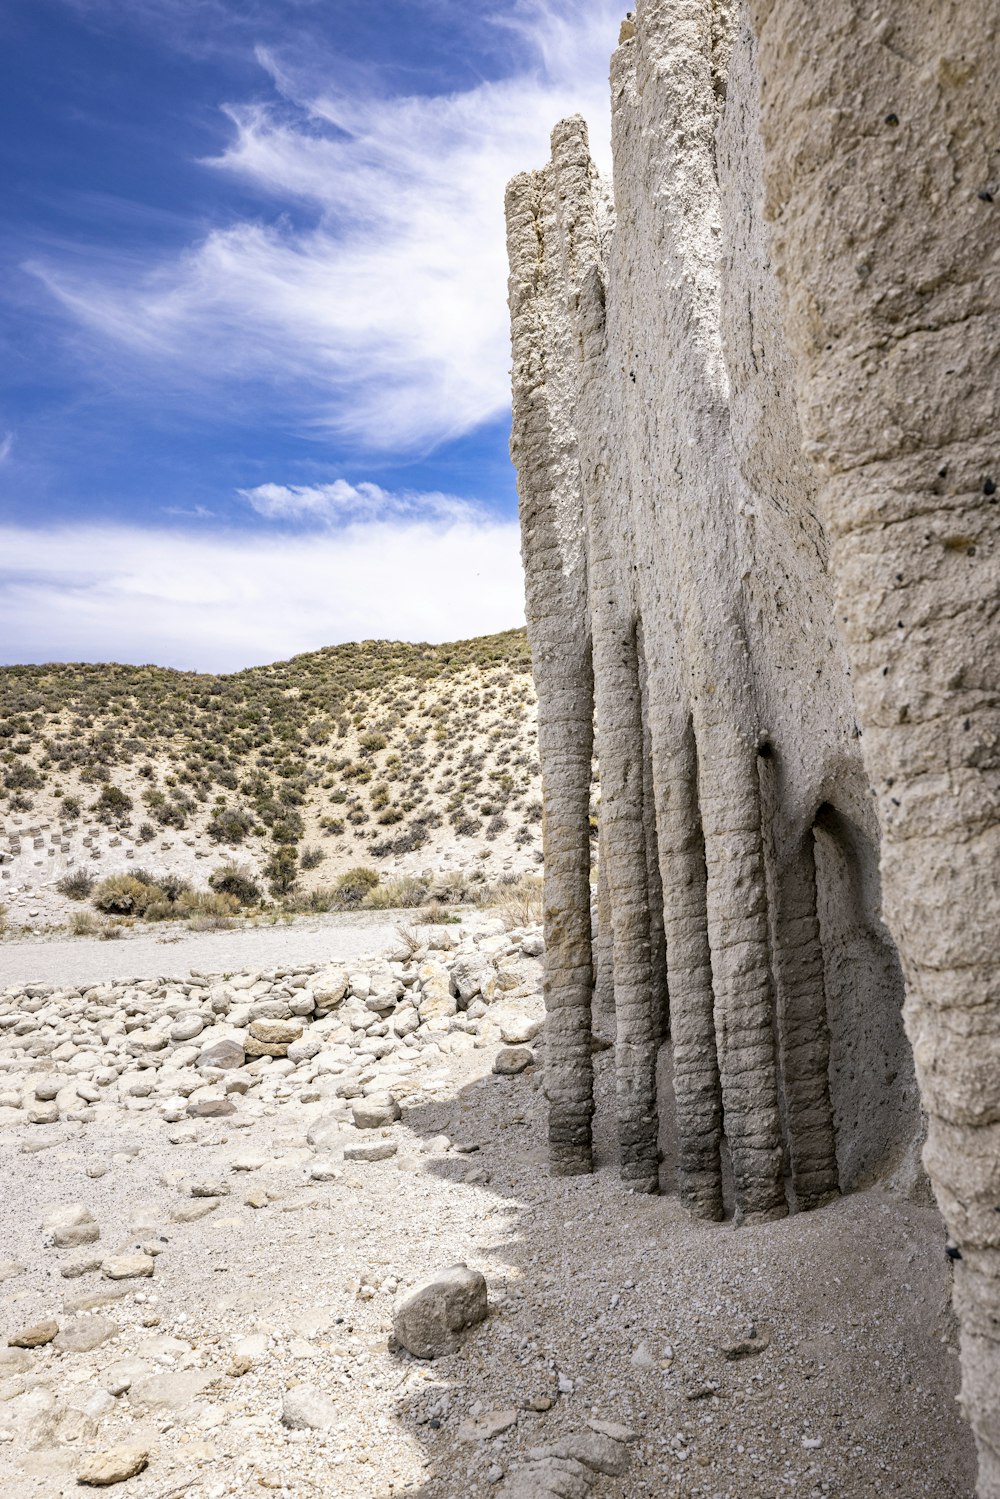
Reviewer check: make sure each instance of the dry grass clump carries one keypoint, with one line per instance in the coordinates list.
(518, 903)
(169, 897)
(83, 924)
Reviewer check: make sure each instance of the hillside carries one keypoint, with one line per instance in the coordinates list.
(392, 756)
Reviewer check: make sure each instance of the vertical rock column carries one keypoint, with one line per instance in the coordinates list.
(803, 1028)
(697, 1096)
(543, 447)
(879, 133)
(621, 732)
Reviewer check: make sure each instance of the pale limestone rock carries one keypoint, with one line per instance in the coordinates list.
(69, 1227)
(114, 1465)
(429, 1320)
(35, 1336)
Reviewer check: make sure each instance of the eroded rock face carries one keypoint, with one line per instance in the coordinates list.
(755, 416)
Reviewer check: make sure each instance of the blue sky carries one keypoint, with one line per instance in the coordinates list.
(253, 384)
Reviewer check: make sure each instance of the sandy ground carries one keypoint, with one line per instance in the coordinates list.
(148, 953)
(603, 1304)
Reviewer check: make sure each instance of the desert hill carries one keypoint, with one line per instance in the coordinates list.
(395, 757)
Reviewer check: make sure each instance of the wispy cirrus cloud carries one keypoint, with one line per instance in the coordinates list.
(6, 446)
(220, 600)
(377, 303)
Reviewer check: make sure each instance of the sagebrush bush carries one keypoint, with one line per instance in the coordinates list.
(312, 858)
(112, 805)
(230, 825)
(77, 885)
(354, 884)
(125, 895)
(22, 778)
(282, 870)
(238, 881)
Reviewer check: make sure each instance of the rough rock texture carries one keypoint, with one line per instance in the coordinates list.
(430, 1320)
(755, 415)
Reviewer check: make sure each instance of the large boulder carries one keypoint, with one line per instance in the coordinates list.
(472, 974)
(430, 1319)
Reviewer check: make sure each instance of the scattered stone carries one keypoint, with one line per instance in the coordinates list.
(129, 1267)
(85, 1334)
(376, 1111)
(170, 1392)
(305, 1408)
(511, 1060)
(614, 1430)
(225, 1053)
(83, 1262)
(489, 1424)
(755, 1341)
(430, 1319)
(115, 1465)
(43, 1113)
(191, 1212)
(70, 1227)
(211, 1108)
(373, 1150)
(35, 1336)
(518, 1030)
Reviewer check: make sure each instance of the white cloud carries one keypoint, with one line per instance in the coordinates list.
(340, 501)
(6, 446)
(223, 600)
(385, 319)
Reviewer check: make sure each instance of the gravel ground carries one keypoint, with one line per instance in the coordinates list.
(334, 938)
(813, 1357)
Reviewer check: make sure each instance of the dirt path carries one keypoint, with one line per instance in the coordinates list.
(163, 950)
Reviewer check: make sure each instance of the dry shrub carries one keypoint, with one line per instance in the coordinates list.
(407, 890)
(410, 939)
(517, 904)
(83, 924)
(77, 885)
(124, 895)
(355, 884)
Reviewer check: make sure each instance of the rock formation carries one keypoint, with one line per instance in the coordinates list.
(755, 416)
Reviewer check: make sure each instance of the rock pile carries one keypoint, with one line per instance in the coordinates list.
(212, 1045)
